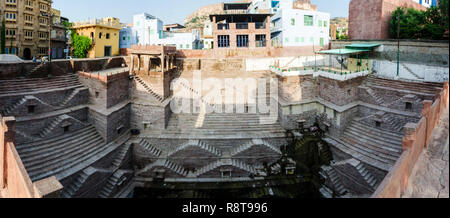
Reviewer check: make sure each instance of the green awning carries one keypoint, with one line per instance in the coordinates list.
(344, 51)
(362, 46)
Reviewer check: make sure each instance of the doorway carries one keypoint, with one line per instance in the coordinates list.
(27, 54)
(107, 51)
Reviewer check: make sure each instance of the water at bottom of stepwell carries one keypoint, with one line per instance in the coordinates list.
(298, 177)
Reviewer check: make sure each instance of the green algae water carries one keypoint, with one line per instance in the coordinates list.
(309, 153)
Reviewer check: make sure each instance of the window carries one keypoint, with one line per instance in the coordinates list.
(320, 23)
(107, 36)
(286, 39)
(309, 20)
(260, 40)
(123, 38)
(66, 129)
(187, 46)
(223, 41)
(321, 42)
(297, 39)
(408, 106)
(377, 123)
(242, 41)
(100, 35)
(293, 21)
(325, 23)
(31, 109)
(97, 94)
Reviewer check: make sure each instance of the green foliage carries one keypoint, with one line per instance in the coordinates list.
(81, 45)
(416, 24)
(68, 26)
(2, 37)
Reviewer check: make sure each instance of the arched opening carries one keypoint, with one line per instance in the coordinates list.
(27, 54)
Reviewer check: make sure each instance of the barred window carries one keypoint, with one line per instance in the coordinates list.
(223, 41)
(242, 41)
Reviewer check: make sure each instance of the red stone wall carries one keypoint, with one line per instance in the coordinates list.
(369, 19)
(415, 140)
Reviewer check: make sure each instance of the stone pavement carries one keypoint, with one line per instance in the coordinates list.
(429, 178)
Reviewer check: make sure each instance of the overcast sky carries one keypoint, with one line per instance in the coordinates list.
(169, 11)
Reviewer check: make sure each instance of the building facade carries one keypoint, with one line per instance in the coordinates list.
(208, 38)
(58, 36)
(428, 3)
(104, 34)
(295, 23)
(149, 30)
(236, 27)
(27, 27)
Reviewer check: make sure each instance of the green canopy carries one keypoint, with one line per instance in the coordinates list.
(344, 51)
(362, 46)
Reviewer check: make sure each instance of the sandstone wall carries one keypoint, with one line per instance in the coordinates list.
(369, 19)
(416, 138)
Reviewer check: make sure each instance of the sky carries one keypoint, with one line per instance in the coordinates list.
(169, 11)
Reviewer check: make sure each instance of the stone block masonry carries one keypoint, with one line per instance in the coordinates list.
(416, 138)
(369, 19)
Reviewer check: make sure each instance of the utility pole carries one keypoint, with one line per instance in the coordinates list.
(398, 45)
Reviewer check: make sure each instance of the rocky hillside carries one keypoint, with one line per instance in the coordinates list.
(200, 16)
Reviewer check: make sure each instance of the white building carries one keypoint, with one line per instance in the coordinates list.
(182, 40)
(208, 38)
(427, 3)
(295, 27)
(148, 30)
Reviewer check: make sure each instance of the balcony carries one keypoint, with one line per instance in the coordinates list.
(260, 25)
(223, 26)
(98, 22)
(237, 11)
(242, 26)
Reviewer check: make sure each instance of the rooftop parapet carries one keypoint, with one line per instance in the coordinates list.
(152, 49)
(98, 22)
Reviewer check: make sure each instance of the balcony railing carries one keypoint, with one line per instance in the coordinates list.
(223, 26)
(241, 26)
(237, 11)
(260, 25)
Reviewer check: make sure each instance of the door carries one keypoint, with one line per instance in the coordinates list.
(27, 54)
(107, 51)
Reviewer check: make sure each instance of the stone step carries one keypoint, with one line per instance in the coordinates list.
(361, 155)
(54, 158)
(374, 143)
(384, 155)
(393, 143)
(378, 132)
(33, 146)
(67, 164)
(49, 151)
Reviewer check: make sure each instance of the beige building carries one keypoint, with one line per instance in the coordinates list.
(104, 35)
(27, 27)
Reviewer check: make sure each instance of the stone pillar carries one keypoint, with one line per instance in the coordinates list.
(47, 188)
(7, 134)
(132, 64)
(139, 63)
(162, 64)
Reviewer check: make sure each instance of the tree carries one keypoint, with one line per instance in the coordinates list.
(2, 37)
(81, 45)
(416, 24)
(443, 10)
